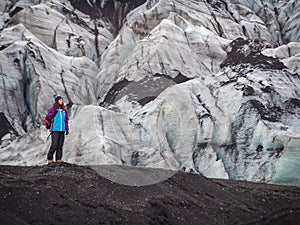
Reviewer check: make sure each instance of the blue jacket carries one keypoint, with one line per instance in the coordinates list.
(59, 123)
(60, 119)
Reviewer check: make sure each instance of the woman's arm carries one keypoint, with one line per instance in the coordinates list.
(67, 120)
(50, 114)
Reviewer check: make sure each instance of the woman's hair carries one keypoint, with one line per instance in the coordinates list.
(57, 106)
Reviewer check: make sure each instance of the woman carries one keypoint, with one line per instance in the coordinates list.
(59, 127)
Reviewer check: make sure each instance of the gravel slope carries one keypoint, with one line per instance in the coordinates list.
(72, 194)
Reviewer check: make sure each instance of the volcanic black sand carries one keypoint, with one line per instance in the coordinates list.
(71, 194)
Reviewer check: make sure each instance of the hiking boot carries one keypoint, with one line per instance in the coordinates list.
(59, 161)
(50, 161)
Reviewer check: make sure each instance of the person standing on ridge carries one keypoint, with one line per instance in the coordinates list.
(58, 115)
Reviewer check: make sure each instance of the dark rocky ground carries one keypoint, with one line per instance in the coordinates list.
(71, 194)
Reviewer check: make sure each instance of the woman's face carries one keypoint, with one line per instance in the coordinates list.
(60, 101)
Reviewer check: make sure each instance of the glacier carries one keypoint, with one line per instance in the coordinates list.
(208, 87)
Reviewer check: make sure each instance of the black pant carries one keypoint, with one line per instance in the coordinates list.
(56, 145)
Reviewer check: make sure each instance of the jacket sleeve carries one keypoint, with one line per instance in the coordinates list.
(50, 114)
(67, 120)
